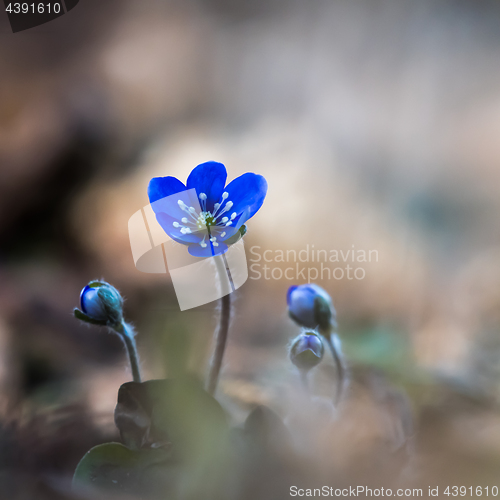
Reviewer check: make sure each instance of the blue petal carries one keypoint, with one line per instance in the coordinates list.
(208, 178)
(172, 205)
(301, 306)
(311, 342)
(208, 251)
(247, 192)
(289, 293)
(83, 299)
(314, 343)
(91, 304)
(160, 187)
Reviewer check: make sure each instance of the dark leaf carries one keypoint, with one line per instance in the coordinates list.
(266, 429)
(177, 413)
(114, 468)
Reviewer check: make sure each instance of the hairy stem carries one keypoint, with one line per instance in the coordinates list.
(220, 344)
(226, 287)
(127, 334)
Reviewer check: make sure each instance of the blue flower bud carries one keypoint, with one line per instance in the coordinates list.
(101, 303)
(307, 350)
(310, 306)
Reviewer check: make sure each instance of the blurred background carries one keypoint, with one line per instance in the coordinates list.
(376, 124)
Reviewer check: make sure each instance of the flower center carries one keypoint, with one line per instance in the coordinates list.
(206, 219)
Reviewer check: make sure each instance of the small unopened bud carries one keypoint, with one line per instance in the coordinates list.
(101, 304)
(307, 350)
(310, 306)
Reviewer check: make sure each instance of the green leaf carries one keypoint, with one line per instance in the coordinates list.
(237, 236)
(177, 440)
(113, 467)
(83, 317)
(176, 413)
(133, 414)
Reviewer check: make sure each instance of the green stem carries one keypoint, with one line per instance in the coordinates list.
(339, 365)
(127, 334)
(305, 381)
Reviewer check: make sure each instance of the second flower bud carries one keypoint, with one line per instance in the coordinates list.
(307, 350)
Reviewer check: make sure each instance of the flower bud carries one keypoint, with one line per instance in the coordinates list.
(307, 350)
(310, 306)
(101, 304)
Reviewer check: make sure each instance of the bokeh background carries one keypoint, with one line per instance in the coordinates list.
(376, 124)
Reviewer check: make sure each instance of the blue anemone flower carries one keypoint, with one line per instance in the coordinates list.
(205, 214)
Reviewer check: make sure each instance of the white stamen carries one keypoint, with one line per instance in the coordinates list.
(216, 209)
(229, 204)
(215, 244)
(224, 219)
(213, 238)
(225, 195)
(176, 224)
(203, 199)
(189, 210)
(184, 219)
(223, 234)
(229, 223)
(233, 215)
